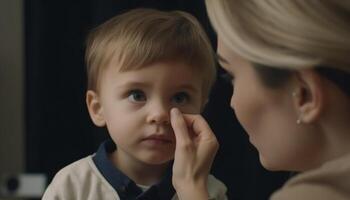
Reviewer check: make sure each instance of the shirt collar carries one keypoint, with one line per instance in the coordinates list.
(125, 187)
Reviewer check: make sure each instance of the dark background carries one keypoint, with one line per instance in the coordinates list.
(59, 130)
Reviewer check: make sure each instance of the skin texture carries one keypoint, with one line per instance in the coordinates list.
(269, 115)
(299, 125)
(135, 107)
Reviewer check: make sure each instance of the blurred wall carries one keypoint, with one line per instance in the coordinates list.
(11, 87)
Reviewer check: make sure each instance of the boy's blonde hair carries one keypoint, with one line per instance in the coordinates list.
(290, 34)
(141, 37)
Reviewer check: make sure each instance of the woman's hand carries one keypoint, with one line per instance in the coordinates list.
(196, 147)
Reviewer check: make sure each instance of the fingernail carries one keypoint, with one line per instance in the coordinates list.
(175, 111)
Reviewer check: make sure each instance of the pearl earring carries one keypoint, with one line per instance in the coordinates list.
(298, 121)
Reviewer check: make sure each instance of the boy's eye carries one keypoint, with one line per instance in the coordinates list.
(137, 96)
(181, 98)
(227, 77)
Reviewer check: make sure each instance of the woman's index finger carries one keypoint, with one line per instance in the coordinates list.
(180, 126)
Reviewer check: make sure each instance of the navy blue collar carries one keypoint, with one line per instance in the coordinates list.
(126, 188)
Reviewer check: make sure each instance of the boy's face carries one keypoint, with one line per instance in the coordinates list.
(135, 105)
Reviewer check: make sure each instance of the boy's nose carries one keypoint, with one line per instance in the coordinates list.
(159, 114)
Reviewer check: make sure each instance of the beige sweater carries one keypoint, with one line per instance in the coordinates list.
(329, 182)
(83, 181)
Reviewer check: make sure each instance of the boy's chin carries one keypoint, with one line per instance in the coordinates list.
(157, 161)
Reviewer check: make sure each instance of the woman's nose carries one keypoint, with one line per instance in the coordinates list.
(232, 102)
(159, 114)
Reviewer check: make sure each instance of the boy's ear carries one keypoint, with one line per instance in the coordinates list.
(95, 108)
(309, 96)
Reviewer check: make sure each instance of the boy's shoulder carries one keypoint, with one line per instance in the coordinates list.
(77, 170)
(80, 180)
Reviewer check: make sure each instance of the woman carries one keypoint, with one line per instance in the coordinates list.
(290, 68)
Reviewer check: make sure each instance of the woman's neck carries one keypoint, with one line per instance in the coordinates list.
(335, 125)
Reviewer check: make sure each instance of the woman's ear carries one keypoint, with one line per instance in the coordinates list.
(95, 109)
(309, 96)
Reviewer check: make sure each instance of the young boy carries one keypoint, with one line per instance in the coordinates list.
(140, 65)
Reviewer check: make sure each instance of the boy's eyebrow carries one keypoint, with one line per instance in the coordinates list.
(221, 59)
(188, 87)
(144, 84)
(134, 84)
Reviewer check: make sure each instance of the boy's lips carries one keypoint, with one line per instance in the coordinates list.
(158, 138)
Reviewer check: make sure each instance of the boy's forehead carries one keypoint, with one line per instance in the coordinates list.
(188, 85)
(168, 66)
(168, 74)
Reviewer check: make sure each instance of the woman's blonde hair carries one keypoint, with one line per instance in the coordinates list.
(141, 37)
(290, 34)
